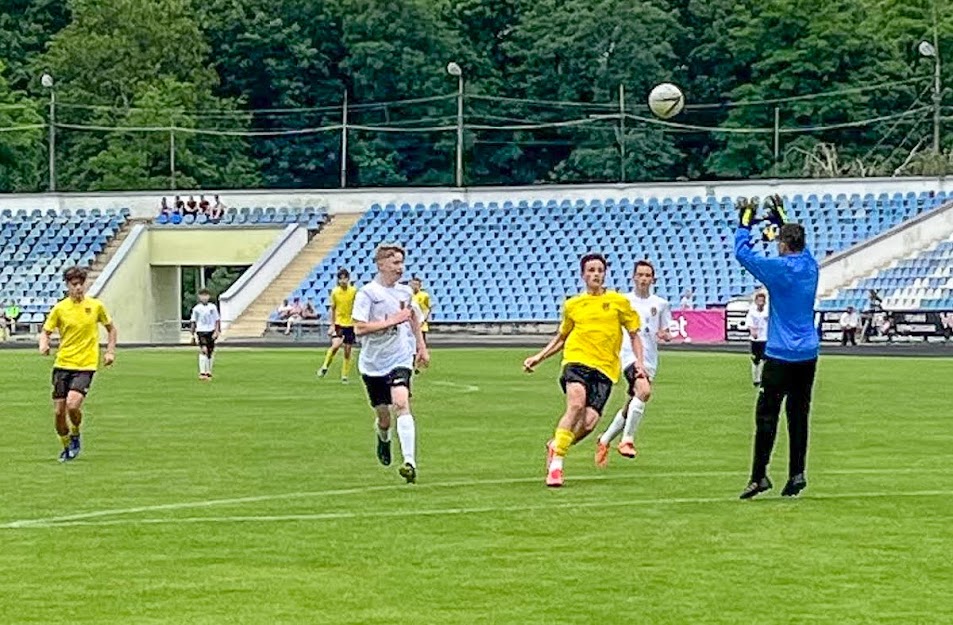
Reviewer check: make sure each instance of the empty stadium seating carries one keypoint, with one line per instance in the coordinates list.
(516, 261)
(309, 216)
(923, 281)
(35, 247)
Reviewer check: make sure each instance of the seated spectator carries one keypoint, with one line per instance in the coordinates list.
(294, 318)
(192, 205)
(164, 207)
(204, 206)
(218, 209)
(309, 313)
(10, 315)
(179, 205)
(284, 310)
(688, 300)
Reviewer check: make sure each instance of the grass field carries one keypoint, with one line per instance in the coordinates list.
(257, 499)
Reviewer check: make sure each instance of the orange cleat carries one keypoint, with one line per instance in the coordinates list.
(554, 479)
(602, 454)
(627, 449)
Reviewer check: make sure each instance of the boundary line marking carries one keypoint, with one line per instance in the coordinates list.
(209, 503)
(466, 388)
(332, 516)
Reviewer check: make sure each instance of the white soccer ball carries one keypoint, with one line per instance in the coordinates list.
(666, 100)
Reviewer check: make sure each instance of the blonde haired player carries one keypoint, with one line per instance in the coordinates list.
(387, 318)
(77, 319)
(590, 336)
(656, 316)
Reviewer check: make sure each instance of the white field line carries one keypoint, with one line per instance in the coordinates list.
(334, 516)
(210, 503)
(466, 388)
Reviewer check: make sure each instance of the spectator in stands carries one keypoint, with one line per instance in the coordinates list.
(849, 322)
(217, 211)
(204, 206)
(10, 315)
(294, 318)
(688, 300)
(179, 205)
(192, 205)
(284, 310)
(164, 207)
(308, 317)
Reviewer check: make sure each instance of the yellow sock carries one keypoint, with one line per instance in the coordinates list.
(327, 360)
(65, 440)
(346, 369)
(74, 430)
(561, 441)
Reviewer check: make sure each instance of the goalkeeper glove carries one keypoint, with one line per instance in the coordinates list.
(747, 211)
(777, 214)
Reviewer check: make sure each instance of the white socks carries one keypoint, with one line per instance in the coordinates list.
(407, 434)
(205, 364)
(636, 409)
(618, 423)
(756, 372)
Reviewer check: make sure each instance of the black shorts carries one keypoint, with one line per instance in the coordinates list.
(757, 351)
(598, 386)
(378, 387)
(66, 380)
(631, 377)
(346, 333)
(206, 340)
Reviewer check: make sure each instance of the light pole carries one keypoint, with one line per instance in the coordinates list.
(47, 81)
(932, 50)
(454, 70)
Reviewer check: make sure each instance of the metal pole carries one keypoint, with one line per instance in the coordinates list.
(622, 132)
(937, 87)
(777, 137)
(52, 146)
(344, 142)
(172, 157)
(460, 131)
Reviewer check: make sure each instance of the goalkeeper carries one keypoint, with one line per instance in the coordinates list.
(791, 352)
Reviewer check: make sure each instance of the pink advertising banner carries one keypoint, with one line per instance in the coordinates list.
(698, 326)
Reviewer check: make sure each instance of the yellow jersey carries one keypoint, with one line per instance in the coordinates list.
(592, 325)
(343, 302)
(422, 299)
(78, 326)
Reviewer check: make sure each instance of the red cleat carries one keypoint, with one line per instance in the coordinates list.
(602, 454)
(554, 479)
(627, 449)
(549, 453)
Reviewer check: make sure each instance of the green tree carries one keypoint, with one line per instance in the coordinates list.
(26, 26)
(21, 151)
(141, 69)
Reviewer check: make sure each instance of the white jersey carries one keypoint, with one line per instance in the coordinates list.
(655, 314)
(757, 322)
(384, 351)
(205, 317)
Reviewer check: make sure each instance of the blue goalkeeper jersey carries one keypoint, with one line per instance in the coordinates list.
(791, 281)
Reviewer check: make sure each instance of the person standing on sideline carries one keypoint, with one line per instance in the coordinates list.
(792, 348)
(206, 326)
(757, 322)
(848, 326)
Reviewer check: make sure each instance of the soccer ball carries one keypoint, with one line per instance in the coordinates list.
(666, 100)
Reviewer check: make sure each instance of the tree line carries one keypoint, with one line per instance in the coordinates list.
(258, 76)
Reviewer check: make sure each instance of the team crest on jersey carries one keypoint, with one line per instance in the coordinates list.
(89, 311)
(654, 311)
(605, 306)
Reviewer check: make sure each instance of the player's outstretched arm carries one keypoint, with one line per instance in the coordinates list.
(553, 347)
(423, 353)
(44, 343)
(638, 351)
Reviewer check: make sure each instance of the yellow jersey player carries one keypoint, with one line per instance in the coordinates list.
(423, 301)
(590, 335)
(342, 323)
(76, 318)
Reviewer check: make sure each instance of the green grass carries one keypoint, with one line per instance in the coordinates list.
(661, 539)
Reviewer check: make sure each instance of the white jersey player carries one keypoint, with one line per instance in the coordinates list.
(388, 321)
(206, 325)
(656, 316)
(757, 323)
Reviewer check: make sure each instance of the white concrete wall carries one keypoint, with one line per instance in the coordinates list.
(840, 270)
(145, 204)
(256, 279)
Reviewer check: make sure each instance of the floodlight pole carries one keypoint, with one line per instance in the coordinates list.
(777, 137)
(459, 168)
(172, 157)
(344, 142)
(622, 133)
(48, 82)
(937, 86)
